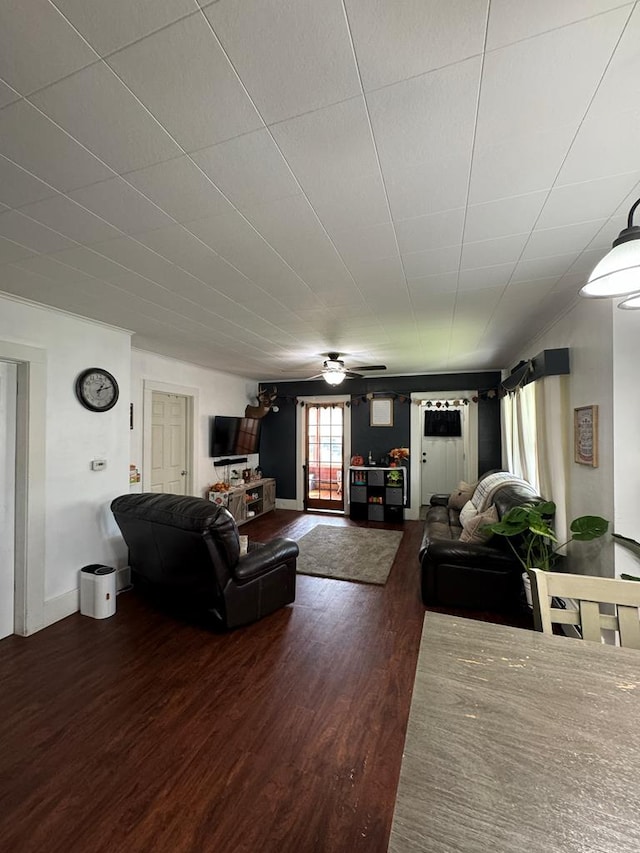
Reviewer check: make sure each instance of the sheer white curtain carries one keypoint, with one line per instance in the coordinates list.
(534, 432)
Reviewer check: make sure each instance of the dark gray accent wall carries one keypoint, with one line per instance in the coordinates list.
(278, 440)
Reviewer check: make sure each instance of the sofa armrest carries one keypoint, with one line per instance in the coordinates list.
(439, 500)
(264, 558)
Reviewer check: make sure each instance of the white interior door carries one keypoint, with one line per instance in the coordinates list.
(168, 443)
(8, 390)
(442, 465)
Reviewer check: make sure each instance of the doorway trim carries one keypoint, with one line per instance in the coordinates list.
(192, 395)
(470, 441)
(300, 448)
(30, 491)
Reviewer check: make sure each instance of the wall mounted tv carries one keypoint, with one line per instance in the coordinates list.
(234, 436)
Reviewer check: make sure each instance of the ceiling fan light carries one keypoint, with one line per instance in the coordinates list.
(631, 303)
(333, 377)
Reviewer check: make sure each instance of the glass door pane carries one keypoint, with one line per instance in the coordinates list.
(324, 453)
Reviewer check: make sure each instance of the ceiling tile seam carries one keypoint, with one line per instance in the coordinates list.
(42, 225)
(561, 27)
(135, 41)
(303, 192)
(380, 170)
(469, 175)
(564, 159)
(31, 174)
(19, 95)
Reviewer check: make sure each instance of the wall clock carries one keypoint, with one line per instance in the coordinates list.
(97, 389)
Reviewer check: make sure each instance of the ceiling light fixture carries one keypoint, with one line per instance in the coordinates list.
(334, 372)
(618, 273)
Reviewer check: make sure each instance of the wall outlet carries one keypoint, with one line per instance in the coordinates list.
(98, 464)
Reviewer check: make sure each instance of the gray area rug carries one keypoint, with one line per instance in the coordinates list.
(348, 553)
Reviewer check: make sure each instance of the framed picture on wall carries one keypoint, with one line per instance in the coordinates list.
(585, 435)
(381, 413)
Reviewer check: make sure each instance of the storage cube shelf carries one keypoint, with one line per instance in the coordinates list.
(377, 494)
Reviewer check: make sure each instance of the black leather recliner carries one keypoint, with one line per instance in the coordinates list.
(189, 548)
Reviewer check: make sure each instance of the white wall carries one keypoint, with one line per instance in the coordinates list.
(8, 380)
(587, 330)
(626, 423)
(79, 528)
(218, 394)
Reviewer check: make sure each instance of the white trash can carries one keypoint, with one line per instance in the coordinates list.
(97, 591)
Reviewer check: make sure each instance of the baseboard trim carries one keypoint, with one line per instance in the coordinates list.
(61, 606)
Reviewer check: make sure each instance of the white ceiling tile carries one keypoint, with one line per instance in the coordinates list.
(503, 217)
(375, 274)
(530, 86)
(19, 228)
(620, 87)
(488, 253)
(122, 205)
(432, 262)
(511, 20)
(112, 124)
(18, 187)
(7, 94)
(133, 256)
(89, 261)
(423, 119)
(37, 45)
(519, 164)
(11, 252)
(28, 138)
(328, 146)
(293, 58)
(354, 242)
(67, 217)
(48, 267)
(250, 170)
(554, 241)
(548, 267)
(585, 201)
(292, 229)
(109, 26)
(485, 277)
(603, 148)
(180, 189)
(434, 231)
(177, 71)
(433, 187)
(359, 200)
(431, 285)
(396, 40)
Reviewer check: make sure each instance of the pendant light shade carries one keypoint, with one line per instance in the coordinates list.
(618, 273)
(631, 303)
(333, 377)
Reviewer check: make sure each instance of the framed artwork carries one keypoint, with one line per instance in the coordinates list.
(381, 413)
(585, 435)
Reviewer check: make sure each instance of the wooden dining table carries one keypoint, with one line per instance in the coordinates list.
(519, 741)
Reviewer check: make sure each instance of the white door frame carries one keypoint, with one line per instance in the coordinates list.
(148, 387)
(470, 441)
(30, 485)
(300, 444)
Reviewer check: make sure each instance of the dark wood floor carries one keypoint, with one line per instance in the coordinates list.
(144, 733)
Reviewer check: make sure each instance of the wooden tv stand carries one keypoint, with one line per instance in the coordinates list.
(249, 500)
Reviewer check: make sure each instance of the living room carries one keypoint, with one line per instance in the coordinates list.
(110, 274)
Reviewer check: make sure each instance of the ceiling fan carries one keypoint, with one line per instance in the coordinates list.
(334, 371)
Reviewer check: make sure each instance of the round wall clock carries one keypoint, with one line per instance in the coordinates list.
(97, 389)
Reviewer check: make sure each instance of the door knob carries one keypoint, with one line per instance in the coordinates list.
(183, 473)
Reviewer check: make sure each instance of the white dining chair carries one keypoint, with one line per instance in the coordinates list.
(582, 596)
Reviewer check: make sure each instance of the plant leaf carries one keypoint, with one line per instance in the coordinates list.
(588, 527)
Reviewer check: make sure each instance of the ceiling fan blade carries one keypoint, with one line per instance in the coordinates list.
(317, 376)
(371, 367)
(350, 374)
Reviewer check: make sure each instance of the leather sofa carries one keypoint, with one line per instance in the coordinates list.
(478, 576)
(187, 550)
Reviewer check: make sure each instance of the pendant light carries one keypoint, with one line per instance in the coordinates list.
(618, 273)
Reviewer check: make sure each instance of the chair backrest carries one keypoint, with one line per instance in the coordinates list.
(588, 593)
(177, 540)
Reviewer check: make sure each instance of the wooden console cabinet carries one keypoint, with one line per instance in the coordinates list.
(377, 494)
(249, 500)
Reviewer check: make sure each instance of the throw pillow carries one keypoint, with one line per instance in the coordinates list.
(473, 530)
(467, 512)
(461, 494)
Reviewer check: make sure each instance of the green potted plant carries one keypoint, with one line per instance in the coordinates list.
(537, 545)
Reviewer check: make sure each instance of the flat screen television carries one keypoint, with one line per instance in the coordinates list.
(234, 436)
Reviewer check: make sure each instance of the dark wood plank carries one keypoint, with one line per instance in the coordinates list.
(146, 733)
